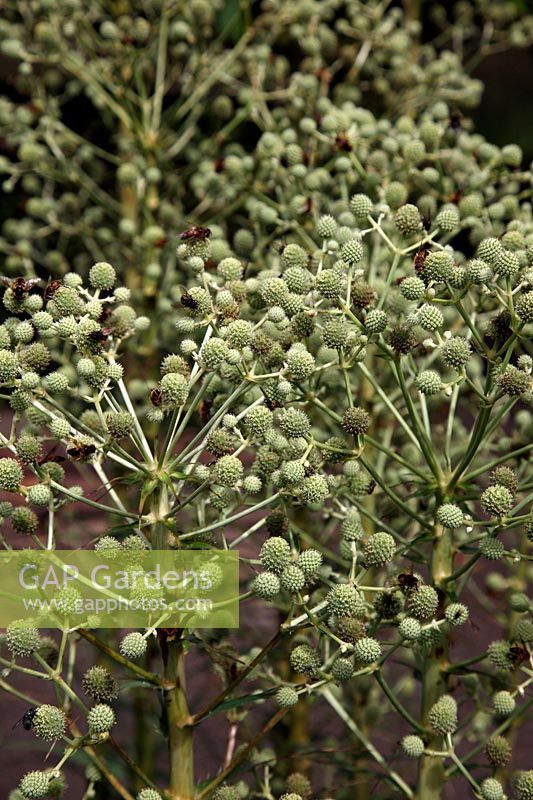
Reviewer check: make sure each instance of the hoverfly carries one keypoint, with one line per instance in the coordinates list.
(19, 286)
(100, 336)
(407, 581)
(195, 232)
(420, 258)
(26, 719)
(50, 289)
(156, 397)
(81, 451)
(188, 302)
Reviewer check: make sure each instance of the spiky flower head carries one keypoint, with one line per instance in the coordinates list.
(286, 697)
(49, 722)
(100, 718)
(450, 516)
(442, 716)
(379, 549)
(412, 745)
(133, 645)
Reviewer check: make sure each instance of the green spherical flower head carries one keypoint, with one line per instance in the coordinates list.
(174, 389)
(22, 638)
(379, 549)
(275, 554)
(412, 746)
(520, 602)
(258, 420)
(294, 256)
(498, 751)
(329, 284)
(293, 473)
(148, 794)
(100, 718)
(298, 783)
(35, 785)
(450, 516)
(514, 382)
(412, 288)
(523, 631)
(456, 614)
(28, 448)
(133, 645)
(430, 317)
(24, 520)
(304, 659)
(438, 265)
(491, 789)
(422, 603)
(489, 250)
(343, 600)
(286, 697)
(310, 561)
(294, 422)
(523, 785)
(500, 654)
(410, 629)
(108, 547)
(408, 220)
(342, 670)
(491, 548)
(428, 382)
(402, 339)
(512, 155)
(326, 226)
(10, 475)
(496, 500)
(266, 585)
(456, 352)
(376, 321)
(39, 494)
(292, 579)
(367, 650)
(56, 382)
(226, 793)
(505, 476)
(356, 421)
(228, 471)
(99, 684)
(442, 715)
(315, 489)
(102, 276)
(8, 366)
(448, 218)
(524, 307)
(119, 424)
(507, 264)
(252, 484)
(49, 722)
(396, 195)
(352, 251)
(361, 206)
(301, 364)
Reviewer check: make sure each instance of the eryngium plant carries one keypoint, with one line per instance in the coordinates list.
(120, 121)
(351, 412)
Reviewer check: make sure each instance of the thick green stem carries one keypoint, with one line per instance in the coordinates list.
(431, 772)
(180, 730)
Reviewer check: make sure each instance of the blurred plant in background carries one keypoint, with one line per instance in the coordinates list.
(335, 273)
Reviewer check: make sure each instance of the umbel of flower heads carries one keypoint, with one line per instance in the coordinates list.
(289, 392)
(344, 386)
